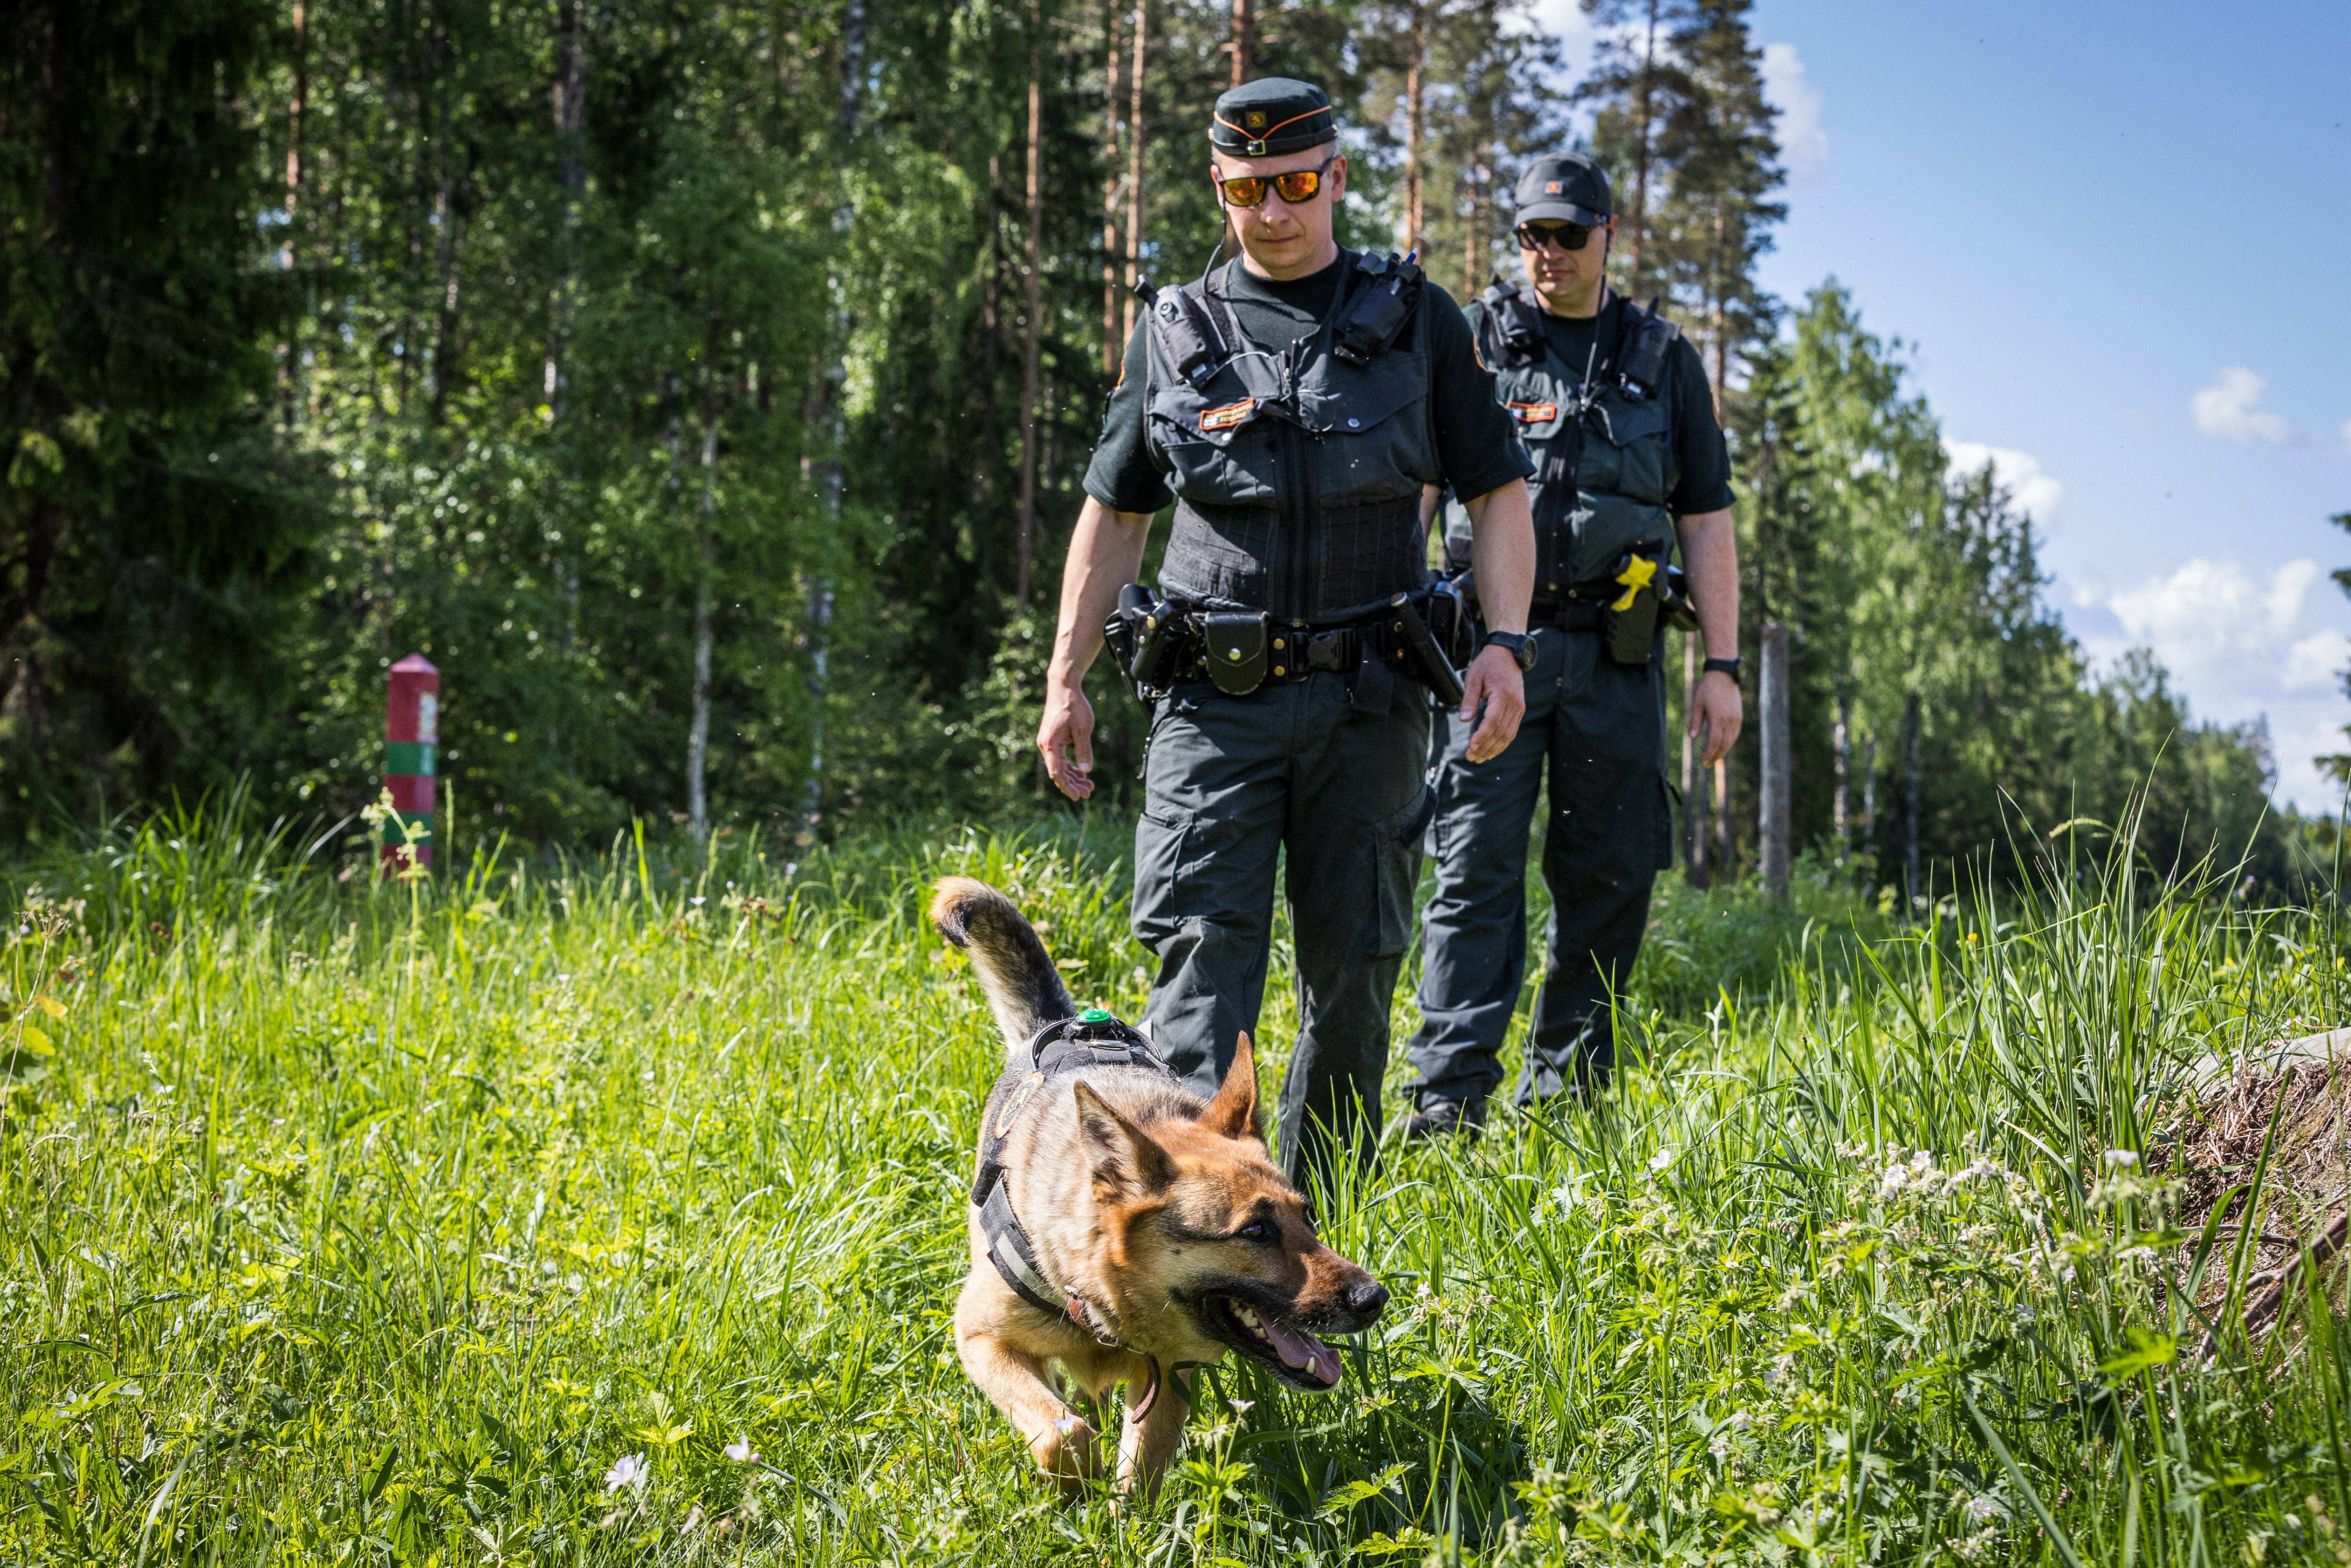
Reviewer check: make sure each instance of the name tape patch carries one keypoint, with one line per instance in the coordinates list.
(1534, 412)
(1224, 418)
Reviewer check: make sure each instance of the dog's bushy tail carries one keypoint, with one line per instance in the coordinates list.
(1024, 990)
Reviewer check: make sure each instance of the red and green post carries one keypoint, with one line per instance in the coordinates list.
(412, 743)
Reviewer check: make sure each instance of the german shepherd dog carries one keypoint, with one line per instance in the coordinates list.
(1159, 1218)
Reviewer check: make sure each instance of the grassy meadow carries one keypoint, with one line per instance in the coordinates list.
(611, 1211)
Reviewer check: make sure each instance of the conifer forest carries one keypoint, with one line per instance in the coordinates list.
(707, 389)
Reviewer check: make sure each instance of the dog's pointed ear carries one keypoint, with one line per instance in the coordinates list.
(1126, 1161)
(1233, 1111)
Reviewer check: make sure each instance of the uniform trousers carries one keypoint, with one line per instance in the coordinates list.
(1232, 783)
(1595, 730)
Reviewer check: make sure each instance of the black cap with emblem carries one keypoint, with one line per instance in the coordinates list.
(1271, 116)
(1569, 189)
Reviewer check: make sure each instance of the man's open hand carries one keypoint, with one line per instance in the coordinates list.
(1494, 683)
(1718, 712)
(1066, 736)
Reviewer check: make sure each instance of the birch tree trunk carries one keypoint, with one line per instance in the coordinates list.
(296, 109)
(1415, 119)
(1773, 816)
(1244, 40)
(697, 741)
(1135, 172)
(1112, 342)
(1029, 329)
(826, 417)
(1726, 835)
(1910, 889)
(1840, 808)
(1694, 796)
(571, 111)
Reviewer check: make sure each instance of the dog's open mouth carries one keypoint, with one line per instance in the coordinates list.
(1293, 1354)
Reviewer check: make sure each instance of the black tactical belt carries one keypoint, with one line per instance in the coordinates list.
(1567, 614)
(1293, 652)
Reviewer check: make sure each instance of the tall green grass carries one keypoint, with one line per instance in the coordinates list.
(342, 1223)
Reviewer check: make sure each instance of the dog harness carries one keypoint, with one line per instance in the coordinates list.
(1093, 1038)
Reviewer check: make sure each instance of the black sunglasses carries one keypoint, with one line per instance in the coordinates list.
(1297, 186)
(1567, 237)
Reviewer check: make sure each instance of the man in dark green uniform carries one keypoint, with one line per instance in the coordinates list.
(1614, 407)
(1293, 404)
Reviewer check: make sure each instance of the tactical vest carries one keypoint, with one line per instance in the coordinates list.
(1297, 473)
(1625, 468)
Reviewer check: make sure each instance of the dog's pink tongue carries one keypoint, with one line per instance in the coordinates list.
(1304, 1352)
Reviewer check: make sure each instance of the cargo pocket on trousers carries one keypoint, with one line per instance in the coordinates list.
(1159, 841)
(1395, 873)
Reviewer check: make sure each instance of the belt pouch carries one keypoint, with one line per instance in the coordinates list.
(1234, 646)
(1373, 687)
(1631, 632)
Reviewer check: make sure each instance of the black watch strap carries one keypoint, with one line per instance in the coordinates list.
(1727, 666)
(1519, 646)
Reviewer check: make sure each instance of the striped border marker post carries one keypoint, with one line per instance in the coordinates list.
(411, 741)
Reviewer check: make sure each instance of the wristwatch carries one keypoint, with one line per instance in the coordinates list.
(1517, 644)
(1729, 667)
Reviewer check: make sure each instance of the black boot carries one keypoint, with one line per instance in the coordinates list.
(1444, 1119)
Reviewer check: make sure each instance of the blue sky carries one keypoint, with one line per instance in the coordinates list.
(2117, 239)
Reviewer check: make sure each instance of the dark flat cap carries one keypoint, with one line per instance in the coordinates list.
(1271, 116)
(1568, 189)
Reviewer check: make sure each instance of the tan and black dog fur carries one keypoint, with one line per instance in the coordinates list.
(1160, 1212)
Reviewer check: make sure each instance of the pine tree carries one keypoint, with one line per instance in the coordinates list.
(148, 524)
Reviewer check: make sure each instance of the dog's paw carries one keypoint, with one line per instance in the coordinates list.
(1070, 1451)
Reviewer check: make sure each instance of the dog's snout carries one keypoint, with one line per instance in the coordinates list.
(1368, 1298)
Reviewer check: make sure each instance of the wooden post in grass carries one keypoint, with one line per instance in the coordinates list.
(411, 744)
(1772, 797)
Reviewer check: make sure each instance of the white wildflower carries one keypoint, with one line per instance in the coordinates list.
(2120, 1159)
(1739, 1421)
(1984, 1509)
(1242, 1407)
(1065, 1425)
(1661, 1159)
(1974, 1546)
(629, 1470)
(693, 1520)
(741, 1451)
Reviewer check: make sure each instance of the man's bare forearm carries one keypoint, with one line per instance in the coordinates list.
(1105, 554)
(1502, 548)
(1710, 556)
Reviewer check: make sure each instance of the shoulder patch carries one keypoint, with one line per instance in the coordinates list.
(1224, 418)
(1018, 1100)
(1533, 413)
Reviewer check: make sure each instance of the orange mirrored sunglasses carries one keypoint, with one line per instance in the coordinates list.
(1297, 186)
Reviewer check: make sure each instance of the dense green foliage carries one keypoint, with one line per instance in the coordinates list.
(1910, 592)
(342, 1223)
(658, 369)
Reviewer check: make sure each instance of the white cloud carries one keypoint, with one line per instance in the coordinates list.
(2237, 647)
(1803, 145)
(2226, 409)
(2037, 495)
(2317, 663)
